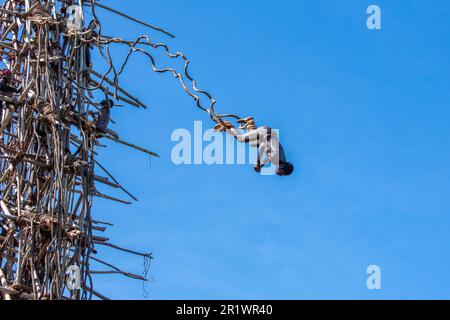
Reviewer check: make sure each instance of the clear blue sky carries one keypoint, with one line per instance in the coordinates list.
(364, 115)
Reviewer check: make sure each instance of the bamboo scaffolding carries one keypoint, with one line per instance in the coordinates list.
(48, 166)
(47, 187)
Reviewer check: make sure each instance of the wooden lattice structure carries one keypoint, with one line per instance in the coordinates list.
(48, 137)
(49, 174)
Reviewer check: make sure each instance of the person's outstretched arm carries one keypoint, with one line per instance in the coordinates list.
(248, 137)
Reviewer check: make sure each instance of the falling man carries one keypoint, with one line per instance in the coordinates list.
(265, 139)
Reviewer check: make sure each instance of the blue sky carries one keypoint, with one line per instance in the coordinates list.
(364, 115)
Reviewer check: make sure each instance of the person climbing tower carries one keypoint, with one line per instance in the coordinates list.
(265, 139)
(5, 80)
(104, 115)
(6, 89)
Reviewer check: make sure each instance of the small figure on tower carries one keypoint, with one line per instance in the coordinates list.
(5, 80)
(104, 115)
